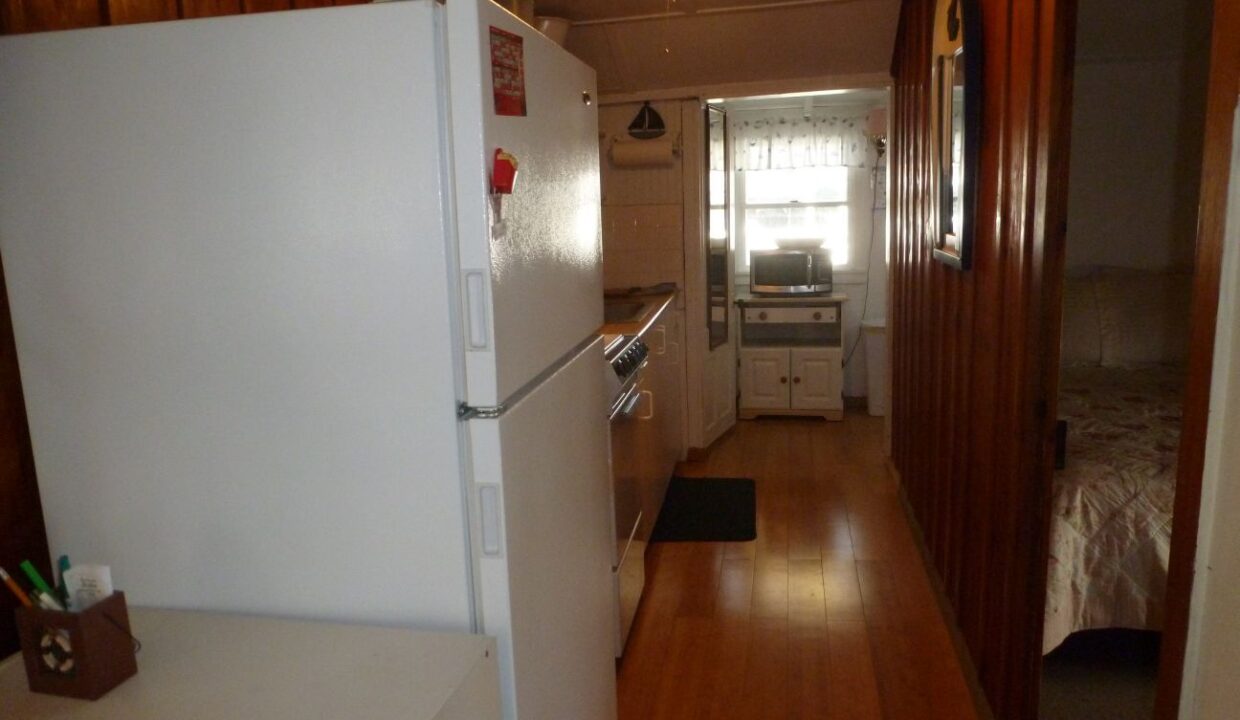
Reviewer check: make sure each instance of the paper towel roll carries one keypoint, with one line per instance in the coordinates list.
(643, 153)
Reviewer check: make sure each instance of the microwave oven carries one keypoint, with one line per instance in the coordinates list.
(790, 272)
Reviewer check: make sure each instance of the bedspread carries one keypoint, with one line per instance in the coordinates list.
(1111, 513)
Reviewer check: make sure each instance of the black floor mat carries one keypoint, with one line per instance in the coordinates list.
(707, 510)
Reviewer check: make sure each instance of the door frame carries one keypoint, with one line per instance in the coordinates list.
(1224, 87)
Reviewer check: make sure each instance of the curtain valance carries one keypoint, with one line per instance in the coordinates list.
(784, 139)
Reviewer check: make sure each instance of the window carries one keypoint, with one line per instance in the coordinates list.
(811, 202)
(802, 170)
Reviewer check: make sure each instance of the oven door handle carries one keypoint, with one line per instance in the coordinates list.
(624, 408)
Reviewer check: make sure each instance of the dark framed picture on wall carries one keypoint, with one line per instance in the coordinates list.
(956, 84)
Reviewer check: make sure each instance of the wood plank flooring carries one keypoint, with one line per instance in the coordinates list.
(829, 614)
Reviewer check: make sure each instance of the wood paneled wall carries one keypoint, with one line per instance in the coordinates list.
(974, 369)
(22, 16)
(22, 536)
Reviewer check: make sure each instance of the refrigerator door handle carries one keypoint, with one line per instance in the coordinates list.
(489, 512)
(476, 309)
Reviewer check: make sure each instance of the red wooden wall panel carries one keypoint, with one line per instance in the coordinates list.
(124, 12)
(255, 6)
(209, 8)
(22, 16)
(22, 535)
(973, 369)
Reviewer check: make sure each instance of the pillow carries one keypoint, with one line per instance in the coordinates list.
(1144, 316)
(1080, 340)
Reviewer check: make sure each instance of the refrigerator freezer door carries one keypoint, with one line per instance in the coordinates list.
(227, 266)
(546, 589)
(532, 260)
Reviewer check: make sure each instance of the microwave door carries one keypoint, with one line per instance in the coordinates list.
(787, 272)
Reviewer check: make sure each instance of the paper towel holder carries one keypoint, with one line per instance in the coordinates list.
(613, 140)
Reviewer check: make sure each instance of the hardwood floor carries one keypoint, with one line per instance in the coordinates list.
(828, 614)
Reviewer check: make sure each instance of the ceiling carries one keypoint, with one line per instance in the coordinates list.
(720, 42)
(592, 10)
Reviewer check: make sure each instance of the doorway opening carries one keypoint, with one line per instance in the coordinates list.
(1137, 119)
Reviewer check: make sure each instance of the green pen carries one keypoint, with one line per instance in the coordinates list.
(35, 578)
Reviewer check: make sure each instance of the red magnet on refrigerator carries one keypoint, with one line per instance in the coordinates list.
(503, 173)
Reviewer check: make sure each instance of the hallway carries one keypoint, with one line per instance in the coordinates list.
(828, 614)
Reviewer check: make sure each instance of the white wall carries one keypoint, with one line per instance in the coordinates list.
(1122, 206)
(871, 301)
(1138, 111)
(643, 239)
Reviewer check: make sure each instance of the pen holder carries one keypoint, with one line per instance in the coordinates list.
(80, 655)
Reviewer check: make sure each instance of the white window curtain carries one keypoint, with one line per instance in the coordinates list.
(716, 141)
(785, 139)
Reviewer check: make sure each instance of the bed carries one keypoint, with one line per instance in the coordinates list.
(1120, 389)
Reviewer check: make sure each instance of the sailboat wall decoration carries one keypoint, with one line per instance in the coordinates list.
(648, 124)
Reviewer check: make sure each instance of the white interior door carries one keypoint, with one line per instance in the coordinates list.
(764, 379)
(546, 545)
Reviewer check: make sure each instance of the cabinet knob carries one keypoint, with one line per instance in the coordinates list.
(817, 316)
(783, 381)
(762, 315)
(796, 380)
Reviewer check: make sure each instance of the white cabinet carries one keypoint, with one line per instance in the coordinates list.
(817, 379)
(764, 379)
(660, 413)
(791, 357)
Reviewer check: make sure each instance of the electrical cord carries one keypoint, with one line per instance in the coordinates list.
(869, 249)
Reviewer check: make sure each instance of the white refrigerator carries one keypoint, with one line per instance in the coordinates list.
(282, 349)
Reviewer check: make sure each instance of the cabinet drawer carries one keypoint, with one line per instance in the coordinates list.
(792, 315)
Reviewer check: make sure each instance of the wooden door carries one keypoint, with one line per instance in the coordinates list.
(1221, 103)
(817, 379)
(764, 379)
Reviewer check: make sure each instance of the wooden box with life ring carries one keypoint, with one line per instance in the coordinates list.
(78, 654)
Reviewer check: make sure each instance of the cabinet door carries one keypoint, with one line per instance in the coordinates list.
(817, 379)
(764, 379)
(665, 356)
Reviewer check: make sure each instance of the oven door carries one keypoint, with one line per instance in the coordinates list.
(628, 561)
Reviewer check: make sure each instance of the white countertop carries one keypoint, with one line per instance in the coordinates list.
(203, 666)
